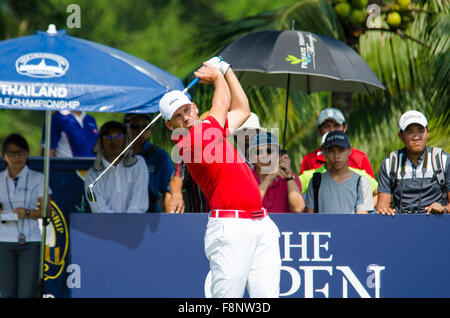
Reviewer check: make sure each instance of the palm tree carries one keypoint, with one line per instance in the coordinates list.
(413, 64)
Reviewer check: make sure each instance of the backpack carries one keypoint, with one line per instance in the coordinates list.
(436, 163)
(316, 179)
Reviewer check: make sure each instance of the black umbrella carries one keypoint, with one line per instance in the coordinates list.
(299, 60)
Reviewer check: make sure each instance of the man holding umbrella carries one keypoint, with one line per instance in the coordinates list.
(241, 241)
(331, 119)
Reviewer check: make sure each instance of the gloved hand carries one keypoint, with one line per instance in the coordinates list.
(219, 63)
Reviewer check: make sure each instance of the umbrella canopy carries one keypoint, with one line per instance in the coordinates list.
(314, 62)
(299, 60)
(54, 71)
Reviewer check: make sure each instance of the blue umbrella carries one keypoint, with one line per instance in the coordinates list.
(54, 71)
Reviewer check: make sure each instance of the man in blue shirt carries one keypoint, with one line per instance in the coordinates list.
(73, 134)
(160, 167)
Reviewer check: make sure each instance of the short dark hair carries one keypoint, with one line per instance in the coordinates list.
(110, 125)
(16, 139)
(129, 117)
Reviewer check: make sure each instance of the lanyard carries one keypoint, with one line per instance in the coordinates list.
(24, 200)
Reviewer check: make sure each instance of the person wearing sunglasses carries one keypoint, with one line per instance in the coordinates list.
(123, 189)
(21, 201)
(280, 187)
(159, 164)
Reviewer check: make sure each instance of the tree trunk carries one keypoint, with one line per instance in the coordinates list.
(343, 102)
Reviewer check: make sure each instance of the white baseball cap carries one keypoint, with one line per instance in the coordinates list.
(252, 122)
(171, 101)
(331, 113)
(412, 117)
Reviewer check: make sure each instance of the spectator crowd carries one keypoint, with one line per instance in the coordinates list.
(335, 178)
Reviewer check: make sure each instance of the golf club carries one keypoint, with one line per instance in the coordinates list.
(90, 190)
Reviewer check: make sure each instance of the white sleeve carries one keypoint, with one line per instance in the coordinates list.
(138, 202)
(100, 206)
(365, 200)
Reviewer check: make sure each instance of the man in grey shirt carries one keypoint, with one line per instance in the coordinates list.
(341, 190)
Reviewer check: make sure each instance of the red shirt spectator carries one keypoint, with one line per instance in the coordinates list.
(357, 159)
(332, 119)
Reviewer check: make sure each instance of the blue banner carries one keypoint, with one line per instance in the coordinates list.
(336, 256)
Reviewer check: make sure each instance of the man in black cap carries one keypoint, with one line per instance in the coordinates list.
(159, 164)
(339, 190)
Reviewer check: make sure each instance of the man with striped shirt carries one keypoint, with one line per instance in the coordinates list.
(413, 187)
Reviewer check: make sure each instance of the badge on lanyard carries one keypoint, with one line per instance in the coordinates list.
(21, 239)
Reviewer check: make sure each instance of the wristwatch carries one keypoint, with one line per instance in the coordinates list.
(290, 178)
(27, 212)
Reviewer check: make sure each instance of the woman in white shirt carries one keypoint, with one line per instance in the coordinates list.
(21, 189)
(123, 189)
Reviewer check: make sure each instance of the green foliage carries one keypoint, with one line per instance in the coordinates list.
(178, 35)
(157, 31)
(413, 66)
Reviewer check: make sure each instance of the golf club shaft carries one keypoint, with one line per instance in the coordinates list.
(195, 81)
(125, 150)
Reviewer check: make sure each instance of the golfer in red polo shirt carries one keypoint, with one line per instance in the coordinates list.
(241, 241)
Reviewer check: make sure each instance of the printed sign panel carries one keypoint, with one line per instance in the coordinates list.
(336, 256)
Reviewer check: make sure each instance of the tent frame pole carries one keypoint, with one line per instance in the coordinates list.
(46, 203)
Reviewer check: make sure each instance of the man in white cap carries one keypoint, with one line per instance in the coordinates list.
(415, 179)
(241, 241)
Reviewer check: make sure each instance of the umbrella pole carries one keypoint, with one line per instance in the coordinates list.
(283, 151)
(48, 123)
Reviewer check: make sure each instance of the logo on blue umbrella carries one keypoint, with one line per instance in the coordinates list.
(42, 65)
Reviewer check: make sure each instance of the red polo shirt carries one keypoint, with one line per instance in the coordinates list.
(218, 169)
(357, 159)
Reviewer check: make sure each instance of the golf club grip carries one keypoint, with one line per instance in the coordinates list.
(195, 81)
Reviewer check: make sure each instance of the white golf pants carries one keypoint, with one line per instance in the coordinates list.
(243, 253)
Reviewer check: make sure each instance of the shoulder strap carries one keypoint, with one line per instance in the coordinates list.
(438, 166)
(357, 190)
(438, 169)
(317, 178)
(393, 161)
